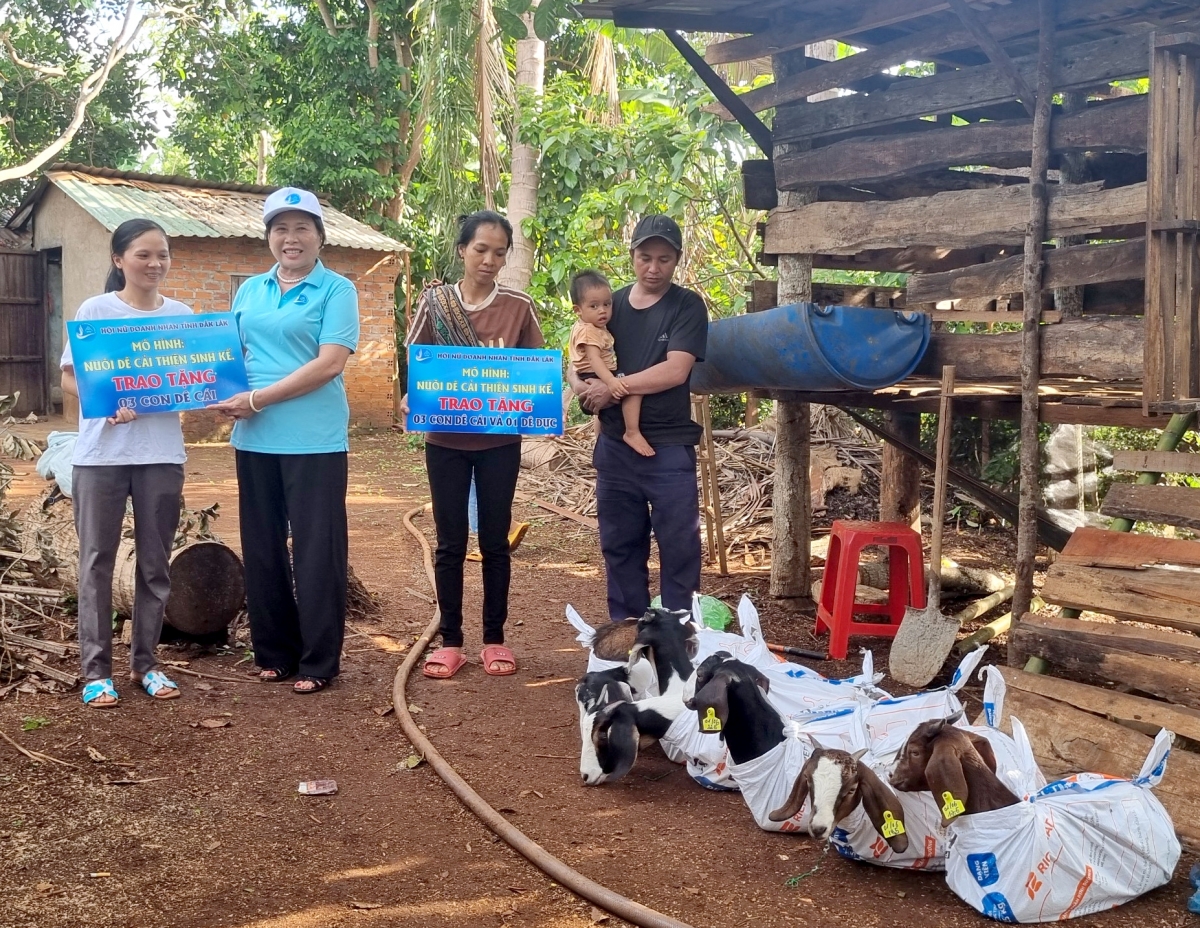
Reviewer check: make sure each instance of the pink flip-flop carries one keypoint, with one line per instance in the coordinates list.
(448, 658)
(498, 652)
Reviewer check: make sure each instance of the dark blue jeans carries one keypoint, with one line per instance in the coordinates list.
(635, 495)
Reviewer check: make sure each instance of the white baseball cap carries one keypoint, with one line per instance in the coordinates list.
(289, 198)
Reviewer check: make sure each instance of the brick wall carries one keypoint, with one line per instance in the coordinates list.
(202, 271)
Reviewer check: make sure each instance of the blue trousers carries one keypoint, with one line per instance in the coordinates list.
(634, 496)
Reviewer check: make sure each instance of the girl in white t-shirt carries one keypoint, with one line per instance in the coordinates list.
(126, 456)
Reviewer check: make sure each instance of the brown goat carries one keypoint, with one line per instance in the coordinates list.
(909, 775)
(838, 781)
(960, 778)
(614, 640)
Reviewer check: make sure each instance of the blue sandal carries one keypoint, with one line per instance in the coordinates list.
(95, 689)
(159, 685)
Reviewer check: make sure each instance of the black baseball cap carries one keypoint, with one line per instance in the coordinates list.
(658, 226)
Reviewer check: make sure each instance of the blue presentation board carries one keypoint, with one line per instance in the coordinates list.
(162, 364)
(484, 391)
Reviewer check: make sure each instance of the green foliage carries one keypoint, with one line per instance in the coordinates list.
(665, 155)
(71, 36)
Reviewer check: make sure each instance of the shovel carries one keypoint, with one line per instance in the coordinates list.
(925, 636)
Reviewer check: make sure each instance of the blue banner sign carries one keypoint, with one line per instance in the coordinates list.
(166, 364)
(484, 391)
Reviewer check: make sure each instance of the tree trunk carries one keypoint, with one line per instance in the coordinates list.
(900, 483)
(791, 574)
(207, 585)
(523, 186)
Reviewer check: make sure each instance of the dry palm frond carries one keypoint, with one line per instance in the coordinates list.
(602, 69)
(493, 85)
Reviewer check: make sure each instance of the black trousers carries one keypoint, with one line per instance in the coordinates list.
(450, 473)
(297, 617)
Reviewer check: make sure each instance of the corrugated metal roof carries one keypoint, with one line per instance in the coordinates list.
(197, 211)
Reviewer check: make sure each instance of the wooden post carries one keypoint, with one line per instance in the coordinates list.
(900, 480)
(1031, 337)
(791, 575)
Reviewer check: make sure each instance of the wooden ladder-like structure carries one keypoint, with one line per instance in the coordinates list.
(710, 491)
(1171, 379)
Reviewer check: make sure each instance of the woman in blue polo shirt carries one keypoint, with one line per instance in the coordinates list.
(299, 326)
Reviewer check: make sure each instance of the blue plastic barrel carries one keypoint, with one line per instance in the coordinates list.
(813, 348)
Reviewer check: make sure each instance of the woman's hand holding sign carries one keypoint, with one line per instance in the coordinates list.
(124, 414)
(237, 406)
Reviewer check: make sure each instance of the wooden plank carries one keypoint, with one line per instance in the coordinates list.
(1154, 595)
(1048, 316)
(940, 33)
(1077, 68)
(837, 23)
(996, 55)
(759, 190)
(1066, 740)
(1097, 547)
(1117, 126)
(1178, 682)
(1142, 713)
(1159, 462)
(1113, 636)
(961, 219)
(1162, 505)
(1065, 267)
(918, 259)
(1108, 349)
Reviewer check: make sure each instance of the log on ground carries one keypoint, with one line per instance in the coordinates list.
(207, 582)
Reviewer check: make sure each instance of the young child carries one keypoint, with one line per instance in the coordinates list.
(591, 350)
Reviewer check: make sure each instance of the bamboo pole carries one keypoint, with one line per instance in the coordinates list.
(1035, 235)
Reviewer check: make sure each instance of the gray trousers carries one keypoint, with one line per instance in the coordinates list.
(99, 500)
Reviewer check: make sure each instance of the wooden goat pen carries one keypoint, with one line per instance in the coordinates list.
(1076, 223)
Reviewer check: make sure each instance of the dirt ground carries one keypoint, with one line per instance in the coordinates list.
(204, 827)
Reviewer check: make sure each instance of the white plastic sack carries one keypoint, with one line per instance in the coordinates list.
(766, 782)
(892, 720)
(1081, 845)
(804, 699)
(55, 462)
(750, 647)
(642, 679)
(889, 723)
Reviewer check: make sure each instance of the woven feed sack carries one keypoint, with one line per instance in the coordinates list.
(929, 841)
(891, 720)
(801, 698)
(1083, 844)
(642, 679)
(749, 647)
(767, 781)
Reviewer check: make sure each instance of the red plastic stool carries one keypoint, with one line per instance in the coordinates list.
(906, 581)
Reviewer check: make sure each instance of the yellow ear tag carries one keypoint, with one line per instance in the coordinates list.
(891, 826)
(710, 722)
(951, 807)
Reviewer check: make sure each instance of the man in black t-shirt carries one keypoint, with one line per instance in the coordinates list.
(660, 330)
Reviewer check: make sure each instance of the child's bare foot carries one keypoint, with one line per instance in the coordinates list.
(638, 443)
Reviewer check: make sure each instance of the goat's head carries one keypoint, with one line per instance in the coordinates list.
(909, 775)
(668, 639)
(836, 782)
(603, 752)
(959, 769)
